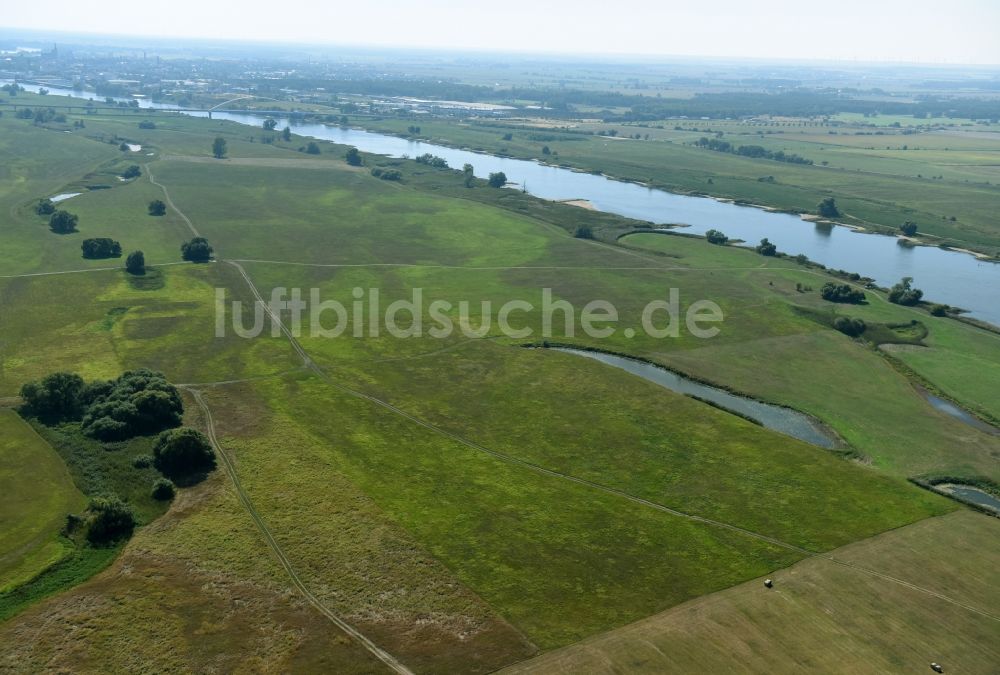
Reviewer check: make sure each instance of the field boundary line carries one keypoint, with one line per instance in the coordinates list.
(379, 653)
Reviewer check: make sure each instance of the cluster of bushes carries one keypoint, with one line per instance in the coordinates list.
(101, 247)
(753, 151)
(828, 208)
(353, 157)
(716, 237)
(387, 174)
(843, 293)
(147, 124)
(432, 160)
(903, 293)
(138, 402)
(133, 171)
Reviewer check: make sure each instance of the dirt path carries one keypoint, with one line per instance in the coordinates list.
(374, 649)
(170, 202)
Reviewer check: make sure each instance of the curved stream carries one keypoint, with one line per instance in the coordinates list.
(784, 420)
(950, 277)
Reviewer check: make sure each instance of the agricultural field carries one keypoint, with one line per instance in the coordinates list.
(465, 504)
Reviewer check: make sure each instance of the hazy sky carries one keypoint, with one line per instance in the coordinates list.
(957, 31)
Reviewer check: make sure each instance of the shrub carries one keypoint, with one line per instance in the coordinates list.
(143, 461)
(939, 310)
(147, 124)
(903, 293)
(101, 247)
(843, 293)
(312, 148)
(909, 228)
(498, 179)
(716, 237)
(584, 232)
(766, 248)
(132, 171)
(163, 489)
(45, 207)
(180, 453)
(353, 157)
(157, 208)
(849, 326)
(111, 520)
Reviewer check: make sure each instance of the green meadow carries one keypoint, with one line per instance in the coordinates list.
(465, 502)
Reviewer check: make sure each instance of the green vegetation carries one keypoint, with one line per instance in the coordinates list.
(824, 616)
(502, 500)
(196, 250)
(63, 222)
(219, 147)
(903, 293)
(36, 493)
(157, 208)
(101, 247)
(845, 293)
(181, 454)
(135, 263)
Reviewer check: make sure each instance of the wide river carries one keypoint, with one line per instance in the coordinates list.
(949, 277)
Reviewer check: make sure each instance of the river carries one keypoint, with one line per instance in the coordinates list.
(949, 277)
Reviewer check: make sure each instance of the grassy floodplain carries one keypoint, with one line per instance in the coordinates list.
(879, 181)
(466, 503)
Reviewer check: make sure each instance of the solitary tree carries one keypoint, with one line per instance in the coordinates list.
(157, 208)
(498, 179)
(312, 148)
(63, 222)
(180, 453)
(716, 237)
(133, 171)
(135, 263)
(766, 248)
(45, 207)
(469, 175)
(828, 208)
(909, 228)
(286, 134)
(219, 147)
(196, 250)
(270, 124)
(584, 232)
(353, 157)
(903, 293)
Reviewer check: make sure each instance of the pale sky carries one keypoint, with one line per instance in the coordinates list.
(957, 31)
